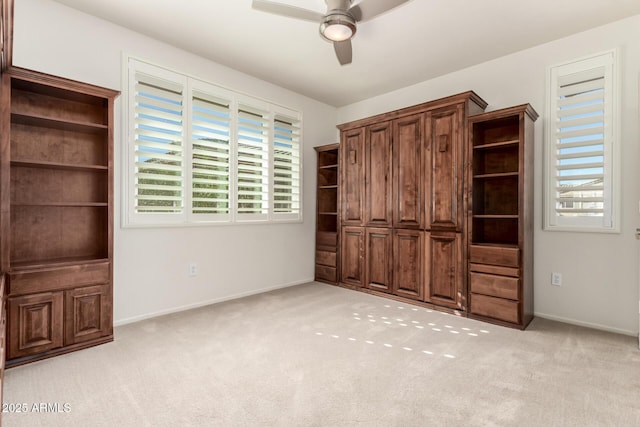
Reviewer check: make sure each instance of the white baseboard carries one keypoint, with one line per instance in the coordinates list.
(587, 324)
(208, 302)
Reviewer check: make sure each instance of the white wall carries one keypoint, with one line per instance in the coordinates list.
(600, 271)
(150, 265)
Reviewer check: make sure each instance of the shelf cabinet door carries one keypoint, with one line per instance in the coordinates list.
(378, 209)
(443, 278)
(408, 261)
(352, 158)
(87, 314)
(352, 264)
(407, 171)
(445, 164)
(35, 323)
(379, 256)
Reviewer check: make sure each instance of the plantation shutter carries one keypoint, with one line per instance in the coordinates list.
(286, 166)
(210, 155)
(198, 153)
(580, 144)
(158, 144)
(252, 180)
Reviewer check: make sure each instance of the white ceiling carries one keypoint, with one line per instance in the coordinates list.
(417, 41)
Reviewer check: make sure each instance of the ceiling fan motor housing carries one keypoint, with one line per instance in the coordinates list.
(341, 20)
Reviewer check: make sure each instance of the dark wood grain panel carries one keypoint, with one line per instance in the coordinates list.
(352, 256)
(496, 308)
(444, 142)
(378, 176)
(57, 278)
(48, 232)
(352, 183)
(326, 258)
(378, 250)
(58, 146)
(88, 314)
(494, 269)
(408, 171)
(47, 101)
(326, 239)
(495, 255)
(408, 261)
(35, 324)
(326, 274)
(46, 185)
(497, 286)
(445, 284)
(471, 102)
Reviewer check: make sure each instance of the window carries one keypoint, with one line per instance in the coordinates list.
(582, 147)
(200, 154)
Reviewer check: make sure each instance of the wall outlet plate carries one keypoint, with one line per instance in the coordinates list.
(193, 269)
(556, 279)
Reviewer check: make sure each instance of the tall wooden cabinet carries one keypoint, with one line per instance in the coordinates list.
(501, 221)
(56, 219)
(402, 201)
(436, 207)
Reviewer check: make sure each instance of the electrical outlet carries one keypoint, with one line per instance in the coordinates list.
(556, 279)
(193, 269)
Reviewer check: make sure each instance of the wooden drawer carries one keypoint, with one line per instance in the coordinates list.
(326, 258)
(43, 280)
(496, 308)
(327, 274)
(497, 286)
(326, 238)
(495, 269)
(495, 255)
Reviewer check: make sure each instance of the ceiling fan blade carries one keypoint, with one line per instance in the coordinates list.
(286, 10)
(343, 51)
(369, 9)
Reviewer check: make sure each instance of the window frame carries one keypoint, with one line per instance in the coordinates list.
(609, 222)
(192, 85)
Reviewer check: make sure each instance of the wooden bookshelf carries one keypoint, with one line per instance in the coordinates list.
(57, 211)
(500, 224)
(327, 218)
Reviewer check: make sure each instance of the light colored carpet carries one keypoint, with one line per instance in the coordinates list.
(318, 355)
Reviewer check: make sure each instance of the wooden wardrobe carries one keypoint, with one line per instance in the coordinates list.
(406, 214)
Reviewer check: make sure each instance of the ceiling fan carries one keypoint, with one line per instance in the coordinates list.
(338, 25)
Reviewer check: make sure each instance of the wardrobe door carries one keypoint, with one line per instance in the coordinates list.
(352, 264)
(36, 324)
(378, 209)
(407, 171)
(443, 258)
(407, 265)
(445, 166)
(379, 255)
(352, 157)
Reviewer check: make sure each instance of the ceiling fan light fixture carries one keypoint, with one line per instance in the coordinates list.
(338, 27)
